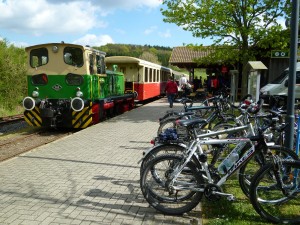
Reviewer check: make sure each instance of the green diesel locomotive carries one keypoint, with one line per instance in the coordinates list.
(69, 87)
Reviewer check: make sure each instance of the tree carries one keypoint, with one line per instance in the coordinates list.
(237, 27)
(148, 56)
(13, 81)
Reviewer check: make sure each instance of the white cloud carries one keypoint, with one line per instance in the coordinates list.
(120, 31)
(20, 44)
(41, 17)
(165, 34)
(93, 40)
(150, 30)
(17, 44)
(51, 18)
(128, 4)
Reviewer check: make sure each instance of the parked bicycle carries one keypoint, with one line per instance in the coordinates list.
(274, 191)
(175, 184)
(217, 116)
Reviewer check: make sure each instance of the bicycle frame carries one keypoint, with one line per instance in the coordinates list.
(196, 145)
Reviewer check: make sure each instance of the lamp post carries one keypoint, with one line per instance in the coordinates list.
(290, 118)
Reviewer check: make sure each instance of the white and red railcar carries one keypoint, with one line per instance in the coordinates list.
(144, 78)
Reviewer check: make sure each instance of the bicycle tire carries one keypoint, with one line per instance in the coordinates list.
(269, 200)
(202, 113)
(259, 159)
(226, 118)
(159, 150)
(167, 123)
(167, 200)
(165, 149)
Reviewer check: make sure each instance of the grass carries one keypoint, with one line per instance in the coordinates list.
(6, 112)
(224, 212)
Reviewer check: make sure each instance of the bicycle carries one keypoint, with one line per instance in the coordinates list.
(187, 177)
(274, 191)
(201, 108)
(216, 118)
(165, 142)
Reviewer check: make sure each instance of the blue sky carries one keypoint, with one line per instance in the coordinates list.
(90, 22)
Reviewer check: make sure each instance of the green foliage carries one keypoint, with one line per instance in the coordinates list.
(149, 56)
(13, 75)
(244, 25)
(161, 53)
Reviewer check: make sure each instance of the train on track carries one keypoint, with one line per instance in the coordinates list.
(147, 80)
(75, 86)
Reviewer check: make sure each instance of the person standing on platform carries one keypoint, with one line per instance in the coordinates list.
(196, 84)
(187, 89)
(200, 83)
(182, 81)
(214, 84)
(171, 90)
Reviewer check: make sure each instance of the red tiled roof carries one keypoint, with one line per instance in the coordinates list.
(187, 54)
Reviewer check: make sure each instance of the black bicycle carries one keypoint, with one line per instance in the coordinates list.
(275, 189)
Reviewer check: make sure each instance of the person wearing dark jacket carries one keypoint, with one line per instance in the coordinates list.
(171, 90)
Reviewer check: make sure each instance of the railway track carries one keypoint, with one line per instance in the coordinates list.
(10, 119)
(16, 137)
(12, 145)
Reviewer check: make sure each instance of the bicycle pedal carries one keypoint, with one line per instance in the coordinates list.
(231, 198)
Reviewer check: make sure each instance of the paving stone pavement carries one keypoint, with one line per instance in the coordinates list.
(90, 177)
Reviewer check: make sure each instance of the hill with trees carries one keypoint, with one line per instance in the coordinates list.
(155, 54)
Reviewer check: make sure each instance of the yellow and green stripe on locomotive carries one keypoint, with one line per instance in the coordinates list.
(69, 86)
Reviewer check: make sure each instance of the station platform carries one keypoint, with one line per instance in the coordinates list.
(90, 177)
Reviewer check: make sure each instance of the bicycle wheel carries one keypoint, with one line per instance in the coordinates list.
(224, 118)
(277, 200)
(259, 159)
(202, 113)
(167, 123)
(162, 149)
(171, 197)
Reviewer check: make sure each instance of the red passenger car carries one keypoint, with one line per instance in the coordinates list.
(146, 79)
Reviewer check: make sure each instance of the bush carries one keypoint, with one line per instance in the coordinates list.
(13, 83)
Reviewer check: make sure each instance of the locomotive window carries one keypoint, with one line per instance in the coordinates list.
(39, 79)
(38, 57)
(73, 56)
(92, 64)
(100, 64)
(74, 79)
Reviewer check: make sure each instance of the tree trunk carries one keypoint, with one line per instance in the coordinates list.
(245, 59)
(244, 84)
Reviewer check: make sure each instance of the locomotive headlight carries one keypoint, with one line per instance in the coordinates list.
(77, 104)
(28, 103)
(79, 93)
(35, 93)
(54, 49)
